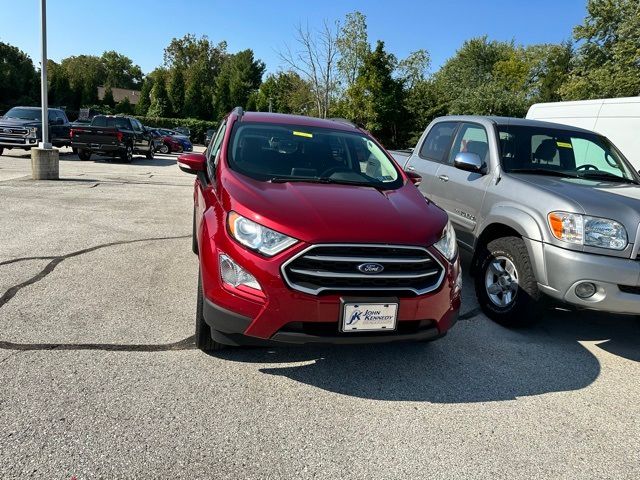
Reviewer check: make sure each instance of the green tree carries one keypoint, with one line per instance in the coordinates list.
(85, 73)
(413, 69)
(176, 92)
(607, 61)
(120, 71)
(60, 92)
(195, 98)
(108, 97)
(287, 92)
(160, 103)
(124, 107)
(239, 77)
(18, 77)
(378, 97)
(353, 47)
(142, 107)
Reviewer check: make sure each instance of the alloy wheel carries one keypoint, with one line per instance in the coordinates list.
(501, 282)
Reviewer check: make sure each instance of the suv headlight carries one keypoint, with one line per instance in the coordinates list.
(447, 245)
(257, 237)
(585, 230)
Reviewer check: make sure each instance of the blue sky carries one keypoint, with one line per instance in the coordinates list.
(141, 29)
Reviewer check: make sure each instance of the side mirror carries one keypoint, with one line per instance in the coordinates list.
(414, 177)
(469, 162)
(192, 163)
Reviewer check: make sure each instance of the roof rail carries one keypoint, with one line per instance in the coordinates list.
(239, 111)
(344, 121)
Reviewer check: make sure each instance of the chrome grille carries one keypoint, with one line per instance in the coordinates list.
(334, 268)
(13, 132)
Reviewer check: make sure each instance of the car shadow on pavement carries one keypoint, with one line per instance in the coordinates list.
(478, 361)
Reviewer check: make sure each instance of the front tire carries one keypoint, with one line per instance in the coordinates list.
(149, 154)
(84, 155)
(203, 332)
(506, 286)
(1, 150)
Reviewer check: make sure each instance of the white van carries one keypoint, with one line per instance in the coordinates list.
(616, 118)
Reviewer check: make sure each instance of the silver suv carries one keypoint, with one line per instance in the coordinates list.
(546, 209)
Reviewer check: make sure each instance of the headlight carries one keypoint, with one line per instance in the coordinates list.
(447, 244)
(586, 230)
(253, 235)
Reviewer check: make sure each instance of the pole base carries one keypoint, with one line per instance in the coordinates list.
(45, 164)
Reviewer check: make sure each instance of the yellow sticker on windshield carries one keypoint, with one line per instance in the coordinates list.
(564, 144)
(303, 134)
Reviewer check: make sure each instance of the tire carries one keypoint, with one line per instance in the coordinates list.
(194, 237)
(203, 332)
(164, 149)
(84, 155)
(127, 154)
(149, 154)
(506, 287)
(1, 150)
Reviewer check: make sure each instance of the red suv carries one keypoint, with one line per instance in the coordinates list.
(308, 232)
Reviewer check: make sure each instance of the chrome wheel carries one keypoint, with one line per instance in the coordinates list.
(501, 282)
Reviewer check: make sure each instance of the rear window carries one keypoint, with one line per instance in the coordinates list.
(270, 152)
(112, 122)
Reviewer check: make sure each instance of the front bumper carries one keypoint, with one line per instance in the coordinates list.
(18, 142)
(567, 268)
(284, 315)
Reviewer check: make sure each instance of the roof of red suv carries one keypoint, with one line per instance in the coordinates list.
(301, 120)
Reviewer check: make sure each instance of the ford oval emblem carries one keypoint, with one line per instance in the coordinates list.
(370, 268)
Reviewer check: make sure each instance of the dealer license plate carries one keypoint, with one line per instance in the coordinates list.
(368, 317)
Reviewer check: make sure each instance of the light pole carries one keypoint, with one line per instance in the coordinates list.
(43, 77)
(45, 160)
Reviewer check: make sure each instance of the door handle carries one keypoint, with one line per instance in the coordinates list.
(443, 178)
(411, 168)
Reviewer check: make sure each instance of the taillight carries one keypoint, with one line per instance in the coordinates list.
(119, 135)
(71, 133)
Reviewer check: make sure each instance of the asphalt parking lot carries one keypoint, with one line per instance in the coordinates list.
(99, 377)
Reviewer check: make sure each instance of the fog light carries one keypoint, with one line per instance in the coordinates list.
(234, 275)
(585, 290)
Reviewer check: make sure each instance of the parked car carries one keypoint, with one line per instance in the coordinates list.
(174, 142)
(156, 137)
(549, 211)
(308, 232)
(183, 130)
(616, 118)
(21, 127)
(208, 135)
(112, 135)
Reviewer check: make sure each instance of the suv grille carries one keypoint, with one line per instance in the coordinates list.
(333, 268)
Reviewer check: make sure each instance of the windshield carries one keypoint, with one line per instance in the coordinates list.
(281, 153)
(24, 113)
(549, 151)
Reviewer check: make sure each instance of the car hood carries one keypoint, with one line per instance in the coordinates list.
(618, 201)
(17, 122)
(321, 213)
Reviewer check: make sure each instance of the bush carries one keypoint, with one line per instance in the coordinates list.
(198, 127)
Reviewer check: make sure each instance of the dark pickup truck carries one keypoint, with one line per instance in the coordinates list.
(21, 127)
(112, 135)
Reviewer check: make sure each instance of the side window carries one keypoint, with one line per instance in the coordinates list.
(99, 122)
(544, 150)
(436, 146)
(216, 143)
(472, 139)
(214, 149)
(137, 126)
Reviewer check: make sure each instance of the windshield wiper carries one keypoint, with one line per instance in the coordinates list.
(543, 171)
(326, 180)
(606, 176)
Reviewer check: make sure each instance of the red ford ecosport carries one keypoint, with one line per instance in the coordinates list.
(308, 232)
